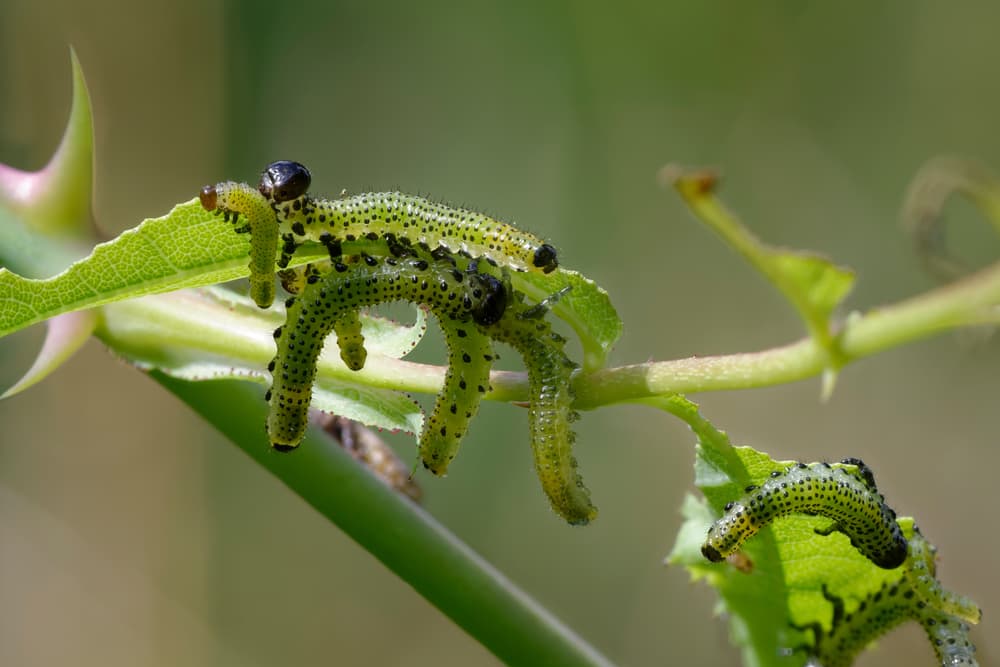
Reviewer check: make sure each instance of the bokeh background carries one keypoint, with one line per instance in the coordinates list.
(131, 533)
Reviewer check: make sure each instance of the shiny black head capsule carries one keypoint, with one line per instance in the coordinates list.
(545, 258)
(493, 304)
(284, 180)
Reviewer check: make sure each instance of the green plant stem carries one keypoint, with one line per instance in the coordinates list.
(969, 301)
(403, 537)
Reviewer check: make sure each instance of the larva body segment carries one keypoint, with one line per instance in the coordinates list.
(238, 199)
(909, 597)
(550, 411)
(470, 358)
(949, 636)
(923, 576)
(328, 295)
(822, 489)
(399, 219)
(852, 633)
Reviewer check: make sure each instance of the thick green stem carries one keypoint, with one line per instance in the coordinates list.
(406, 539)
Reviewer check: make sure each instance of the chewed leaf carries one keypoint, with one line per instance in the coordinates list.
(65, 335)
(813, 284)
(373, 407)
(390, 338)
(383, 336)
(936, 182)
(232, 342)
(586, 307)
(789, 561)
(784, 576)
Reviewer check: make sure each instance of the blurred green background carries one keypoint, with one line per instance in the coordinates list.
(130, 533)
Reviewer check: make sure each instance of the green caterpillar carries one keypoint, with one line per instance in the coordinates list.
(399, 222)
(408, 232)
(472, 308)
(922, 575)
(908, 597)
(844, 492)
(334, 295)
(550, 411)
(235, 199)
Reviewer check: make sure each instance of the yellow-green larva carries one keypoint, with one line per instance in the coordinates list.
(550, 411)
(845, 493)
(908, 597)
(401, 220)
(922, 574)
(280, 209)
(238, 199)
(332, 295)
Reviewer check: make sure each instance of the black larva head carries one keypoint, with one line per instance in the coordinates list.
(284, 180)
(545, 258)
(494, 303)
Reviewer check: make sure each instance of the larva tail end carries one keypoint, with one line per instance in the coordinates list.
(262, 293)
(436, 468)
(354, 356)
(575, 507)
(284, 447)
(583, 519)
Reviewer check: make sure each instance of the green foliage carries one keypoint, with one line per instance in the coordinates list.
(790, 561)
(185, 336)
(783, 578)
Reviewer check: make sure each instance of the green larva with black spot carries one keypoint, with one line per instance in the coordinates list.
(400, 219)
(459, 299)
(550, 411)
(911, 596)
(841, 492)
(233, 200)
(922, 574)
(402, 224)
(470, 358)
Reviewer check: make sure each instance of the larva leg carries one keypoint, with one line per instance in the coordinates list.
(240, 199)
(818, 489)
(470, 358)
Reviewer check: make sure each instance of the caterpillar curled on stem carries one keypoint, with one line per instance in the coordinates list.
(843, 492)
(910, 596)
(332, 297)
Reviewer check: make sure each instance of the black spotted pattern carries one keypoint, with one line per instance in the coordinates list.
(836, 491)
(908, 597)
(329, 301)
